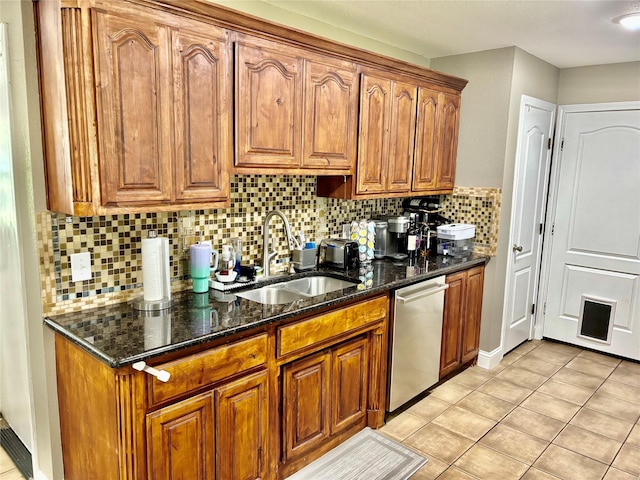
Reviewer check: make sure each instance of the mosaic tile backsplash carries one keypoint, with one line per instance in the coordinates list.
(115, 241)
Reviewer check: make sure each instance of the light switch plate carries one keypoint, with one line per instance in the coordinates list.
(80, 266)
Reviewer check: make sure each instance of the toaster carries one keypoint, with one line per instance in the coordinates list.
(338, 253)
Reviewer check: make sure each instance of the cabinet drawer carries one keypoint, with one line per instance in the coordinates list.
(207, 367)
(300, 335)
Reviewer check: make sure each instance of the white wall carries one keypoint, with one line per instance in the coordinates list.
(30, 197)
(487, 145)
(617, 82)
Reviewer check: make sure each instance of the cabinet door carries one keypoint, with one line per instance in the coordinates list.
(133, 95)
(448, 141)
(373, 140)
(180, 440)
(401, 137)
(473, 313)
(330, 115)
(454, 300)
(201, 82)
(306, 404)
(242, 424)
(425, 157)
(268, 104)
(349, 384)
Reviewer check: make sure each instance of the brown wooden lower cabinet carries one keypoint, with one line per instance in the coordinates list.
(461, 322)
(246, 409)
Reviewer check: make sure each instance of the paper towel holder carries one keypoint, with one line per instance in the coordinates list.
(140, 303)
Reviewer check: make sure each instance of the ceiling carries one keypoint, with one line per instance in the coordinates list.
(563, 33)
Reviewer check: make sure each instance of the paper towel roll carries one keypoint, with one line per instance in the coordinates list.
(155, 269)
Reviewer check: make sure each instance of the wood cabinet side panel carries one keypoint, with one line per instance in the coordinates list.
(87, 405)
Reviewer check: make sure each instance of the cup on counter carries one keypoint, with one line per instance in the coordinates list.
(200, 265)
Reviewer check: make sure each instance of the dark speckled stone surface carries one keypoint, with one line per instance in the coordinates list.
(119, 335)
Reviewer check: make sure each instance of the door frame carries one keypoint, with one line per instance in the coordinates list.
(552, 200)
(517, 178)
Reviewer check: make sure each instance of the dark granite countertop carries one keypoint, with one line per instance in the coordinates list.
(119, 335)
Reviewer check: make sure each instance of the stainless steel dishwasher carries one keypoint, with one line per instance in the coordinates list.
(417, 336)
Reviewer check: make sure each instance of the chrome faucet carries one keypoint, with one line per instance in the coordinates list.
(267, 255)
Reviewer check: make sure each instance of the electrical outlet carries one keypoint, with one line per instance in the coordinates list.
(80, 266)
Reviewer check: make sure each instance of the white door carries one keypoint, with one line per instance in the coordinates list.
(593, 285)
(533, 160)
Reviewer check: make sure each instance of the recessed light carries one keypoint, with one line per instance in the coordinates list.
(630, 21)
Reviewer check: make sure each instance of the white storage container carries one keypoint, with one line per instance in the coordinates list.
(456, 231)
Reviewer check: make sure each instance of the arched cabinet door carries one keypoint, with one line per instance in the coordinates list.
(448, 138)
(133, 95)
(268, 104)
(202, 92)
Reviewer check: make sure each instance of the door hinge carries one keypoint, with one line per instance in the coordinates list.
(533, 308)
(562, 144)
(549, 144)
(544, 308)
(553, 228)
(540, 230)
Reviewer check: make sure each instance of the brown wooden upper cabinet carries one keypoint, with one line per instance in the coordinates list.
(436, 141)
(407, 140)
(161, 103)
(295, 111)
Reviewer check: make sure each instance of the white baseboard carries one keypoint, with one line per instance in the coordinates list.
(488, 360)
(39, 476)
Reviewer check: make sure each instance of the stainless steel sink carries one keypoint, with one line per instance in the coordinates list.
(271, 295)
(313, 286)
(292, 290)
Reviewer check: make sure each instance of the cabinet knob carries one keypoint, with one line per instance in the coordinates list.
(517, 248)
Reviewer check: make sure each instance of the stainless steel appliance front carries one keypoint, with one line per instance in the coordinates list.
(417, 336)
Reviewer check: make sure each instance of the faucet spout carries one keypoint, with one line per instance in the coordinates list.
(267, 253)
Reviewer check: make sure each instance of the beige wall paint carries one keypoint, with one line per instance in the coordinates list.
(484, 114)
(487, 145)
(278, 15)
(30, 197)
(618, 82)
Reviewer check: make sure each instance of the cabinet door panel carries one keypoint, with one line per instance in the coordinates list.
(349, 384)
(306, 404)
(473, 314)
(201, 89)
(330, 116)
(242, 428)
(401, 137)
(373, 142)
(451, 328)
(448, 137)
(424, 175)
(132, 82)
(268, 106)
(180, 440)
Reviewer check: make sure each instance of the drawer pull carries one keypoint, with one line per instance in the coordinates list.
(161, 375)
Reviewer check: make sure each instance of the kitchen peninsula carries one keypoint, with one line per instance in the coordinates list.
(264, 389)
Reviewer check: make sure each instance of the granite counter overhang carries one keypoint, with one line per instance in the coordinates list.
(118, 335)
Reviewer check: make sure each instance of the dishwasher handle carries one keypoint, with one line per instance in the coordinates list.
(421, 294)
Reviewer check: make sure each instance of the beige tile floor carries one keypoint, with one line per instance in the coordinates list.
(547, 411)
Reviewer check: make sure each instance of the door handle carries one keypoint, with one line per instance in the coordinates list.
(421, 294)
(517, 248)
